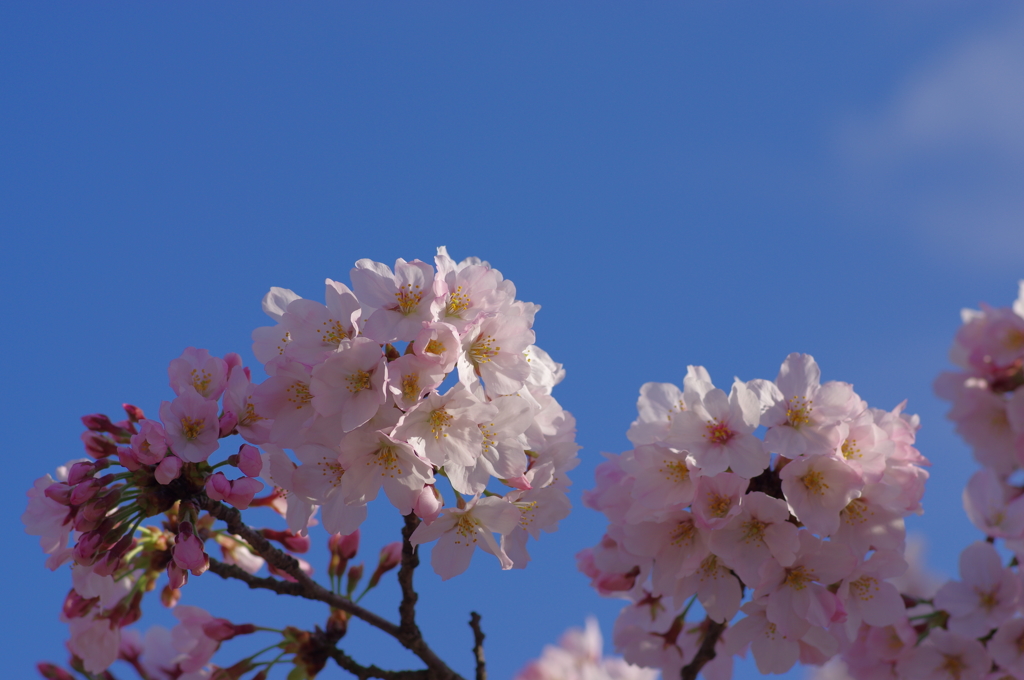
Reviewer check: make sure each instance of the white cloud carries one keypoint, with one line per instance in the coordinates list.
(946, 153)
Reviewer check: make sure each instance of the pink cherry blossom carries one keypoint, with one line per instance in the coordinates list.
(459, 531)
(818, 488)
(195, 368)
(191, 425)
(717, 430)
(398, 303)
(760, 532)
(985, 598)
(373, 460)
(351, 382)
(945, 656)
(803, 415)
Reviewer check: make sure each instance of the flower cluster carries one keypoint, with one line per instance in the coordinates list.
(578, 657)
(362, 416)
(971, 628)
(413, 377)
(808, 521)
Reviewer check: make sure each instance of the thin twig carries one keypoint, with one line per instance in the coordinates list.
(478, 646)
(410, 560)
(712, 631)
(371, 671)
(309, 589)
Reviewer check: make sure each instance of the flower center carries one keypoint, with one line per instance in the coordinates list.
(332, 332)
(434, 347)
(483, 349)
(718, 506)
(411, 386)
(675, 471)
(408, 297)
(864, 588)
(798, 413)
(718, 433)
(300, 395)
(850, 449)
(458, 302)
(191, 429)
(201, 380)
(753, 530)
(797, 578)
(814, 482)
(439, 420)
(358, 381)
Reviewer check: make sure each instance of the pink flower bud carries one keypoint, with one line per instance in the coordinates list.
(227, 423)
(127, 458)
(243, 490)
(291, 542)
(51, 672)
(428, 504)
(390, 557)
(178, 577)
(106, 565)
(97, 422)
(222, 629)
(169, 596)
(344, 546)
(249, 461)
(188, 552)
(87, 549)
(80, 472)
(168, 470)
(84, 492)
(218, 487)
(98, 445)
(135, 413)
(76, 606)
(59, 492)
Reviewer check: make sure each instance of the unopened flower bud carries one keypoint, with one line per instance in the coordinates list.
(135, 413)
(292, 542)
(51, 672)
(355, 575)
(249, 461)
(222, 629)
(227, 423)
(126, 456)
(59, 492)
(188, 552)
(80, 472)
(428, 504)
(86, 550)
(177, 577)
(84, 492)
(344, 546)
(98, 445)
(169, 596)
(106, 565)
(75, 605)
(98, 422)
(390, 557)
(168, 470)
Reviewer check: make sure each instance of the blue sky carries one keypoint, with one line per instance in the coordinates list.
(673, 183)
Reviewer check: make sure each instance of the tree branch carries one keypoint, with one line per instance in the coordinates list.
(309, 589)
(478, 646)
(712, 631)
(371, 671)
(410, 560)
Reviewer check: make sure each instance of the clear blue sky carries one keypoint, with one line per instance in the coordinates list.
(674, 183)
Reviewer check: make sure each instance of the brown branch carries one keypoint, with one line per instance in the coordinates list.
(309, 589)
(410, 560)
(478, 646)
(371, 671)
(712, 631)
